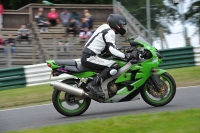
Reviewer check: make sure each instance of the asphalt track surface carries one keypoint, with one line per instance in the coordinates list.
(43, 115)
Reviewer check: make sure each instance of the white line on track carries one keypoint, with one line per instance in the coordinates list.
(26, 107)
(188, 87)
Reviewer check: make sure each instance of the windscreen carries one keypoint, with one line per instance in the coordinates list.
(140, 39)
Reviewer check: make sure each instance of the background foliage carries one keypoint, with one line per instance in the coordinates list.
(162, 12)
(16, 4)
(193, 15)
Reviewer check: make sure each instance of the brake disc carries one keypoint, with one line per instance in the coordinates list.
(162, 92)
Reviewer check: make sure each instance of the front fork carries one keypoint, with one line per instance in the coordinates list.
(155, 78)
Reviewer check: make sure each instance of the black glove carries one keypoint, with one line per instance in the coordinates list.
(133, 55)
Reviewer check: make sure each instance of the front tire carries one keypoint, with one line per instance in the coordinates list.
(65, 107)
(166, 94)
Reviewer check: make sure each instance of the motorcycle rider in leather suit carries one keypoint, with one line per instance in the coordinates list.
(102, 41)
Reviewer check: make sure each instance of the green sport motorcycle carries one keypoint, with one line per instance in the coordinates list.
(137, 76)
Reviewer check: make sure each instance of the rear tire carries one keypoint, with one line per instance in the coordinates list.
(60, 103)
(170, 89)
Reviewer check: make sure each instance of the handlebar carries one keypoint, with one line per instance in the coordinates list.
(128, 50)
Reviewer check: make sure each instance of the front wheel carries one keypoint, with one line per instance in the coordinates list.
(67, 104)
(161, 97)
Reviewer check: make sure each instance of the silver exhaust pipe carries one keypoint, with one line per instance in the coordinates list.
(69, 89)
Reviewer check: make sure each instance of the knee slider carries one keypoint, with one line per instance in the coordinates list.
(113, 69)
(113, 72)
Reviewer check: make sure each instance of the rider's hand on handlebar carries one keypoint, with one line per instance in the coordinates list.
(129, 50)
(126, 50)
(133, 55)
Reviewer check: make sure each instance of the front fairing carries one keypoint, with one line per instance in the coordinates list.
(146, 45)
(143, 45)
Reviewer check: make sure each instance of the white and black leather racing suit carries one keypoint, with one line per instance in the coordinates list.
(102, 40)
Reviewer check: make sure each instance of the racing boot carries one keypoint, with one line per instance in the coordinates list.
(95, 85)
(96, 89)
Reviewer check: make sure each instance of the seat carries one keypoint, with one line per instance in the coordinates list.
(66, 62)
(81, 68)
(72, 69)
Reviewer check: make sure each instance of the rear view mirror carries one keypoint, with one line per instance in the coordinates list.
(129, 39)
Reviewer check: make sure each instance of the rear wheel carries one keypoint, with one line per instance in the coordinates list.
(162, 97)
(67, 104)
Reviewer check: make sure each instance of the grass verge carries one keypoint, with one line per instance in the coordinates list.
(25, 96)
(42, 94)
(168, 122)
(188, 76)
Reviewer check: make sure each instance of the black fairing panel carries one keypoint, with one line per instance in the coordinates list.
(131, 95)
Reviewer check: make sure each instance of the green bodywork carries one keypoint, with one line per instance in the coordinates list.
(53, 64)
(84, 74)
(142, 69)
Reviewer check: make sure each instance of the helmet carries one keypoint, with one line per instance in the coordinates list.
(117, 22)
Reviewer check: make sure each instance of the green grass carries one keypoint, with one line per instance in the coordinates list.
(25, 96)
(188, 76)
(187, 121)
(42, 94)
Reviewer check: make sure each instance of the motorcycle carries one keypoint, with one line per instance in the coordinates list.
(137, 76)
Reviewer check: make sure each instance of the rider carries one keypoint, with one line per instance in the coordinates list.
(101, 42)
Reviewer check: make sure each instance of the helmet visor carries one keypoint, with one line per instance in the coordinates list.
(125, 27)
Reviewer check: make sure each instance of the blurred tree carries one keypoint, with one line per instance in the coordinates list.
(16, 4)
(163, 12)
(193, 16)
